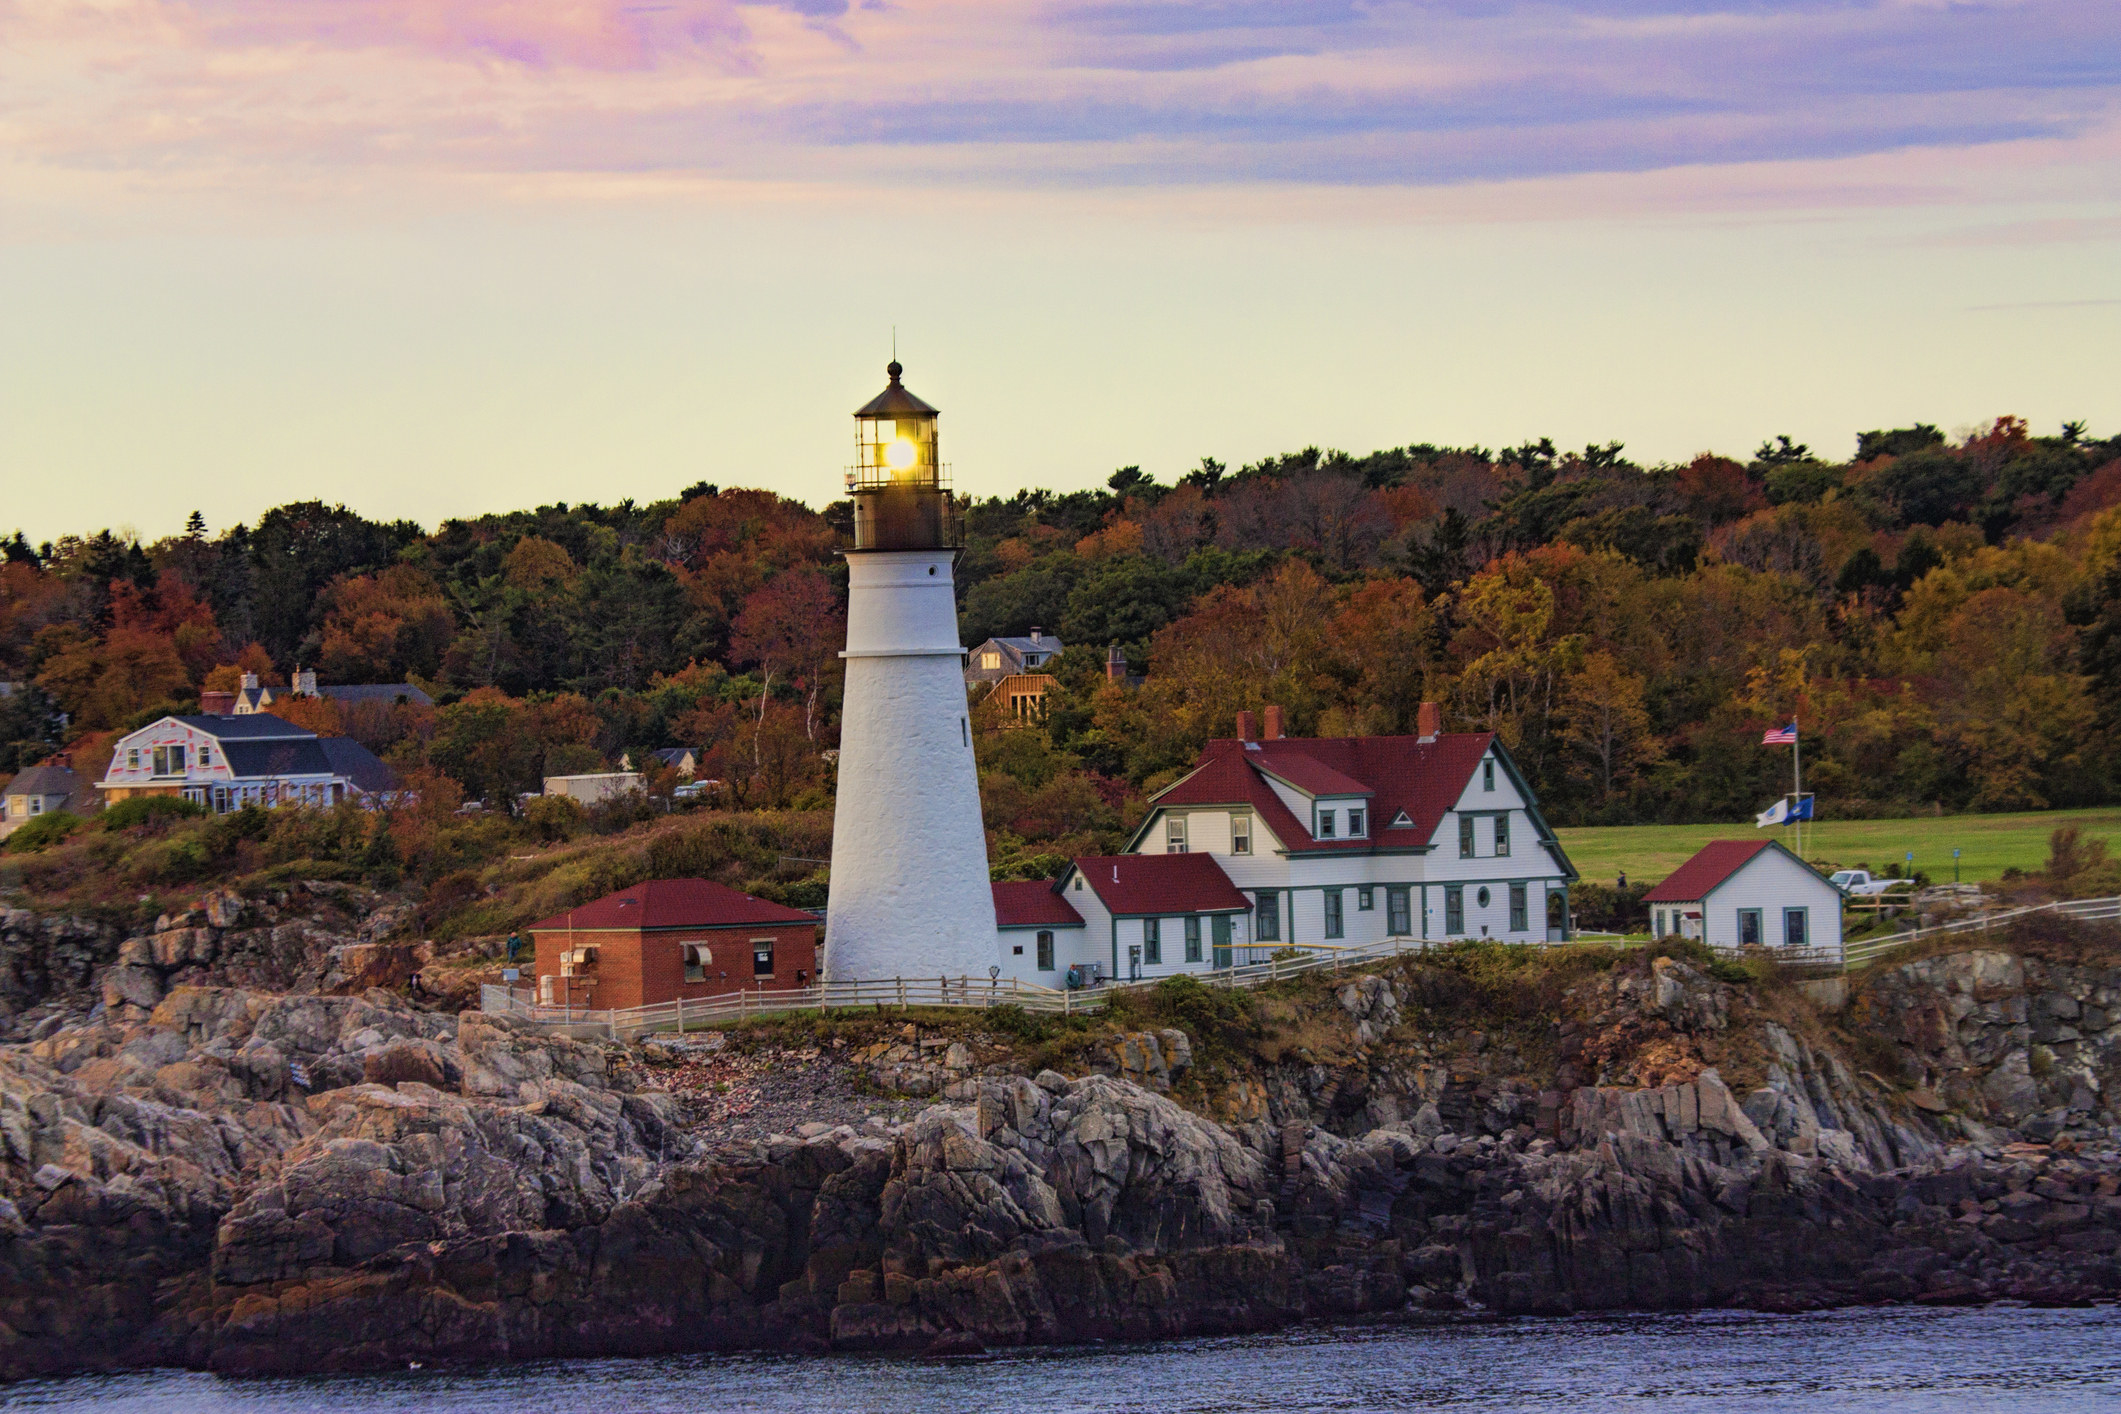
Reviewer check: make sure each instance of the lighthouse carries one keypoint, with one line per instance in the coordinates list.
(910, 895)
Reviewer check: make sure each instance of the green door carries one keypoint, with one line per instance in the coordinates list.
(1222, 939)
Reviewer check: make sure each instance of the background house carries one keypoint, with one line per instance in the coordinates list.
(671, 938)
(252, 696)
(42, 790)
(228, 762)
(595, 786)
(998, 658)
(1748, 893)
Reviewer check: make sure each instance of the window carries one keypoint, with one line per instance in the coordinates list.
(1333, 927)
(1399, 914)
(1193, 939)
(1657, 923)
(990, 661)
(1365, 899)
(1045, 950)
(1174, 834)
(1325, 823)
(1749, 927)
(1358, 824)
(1153, 941)
(1240, 835)
(762, 957)
(169, 760)
(1267, 928)
(964, 730)
(1465, 837)
(697, 956)
(1795, 930)
(132, 758)
(36, 805)
(1520, 915)
(1483, 896)
(1078, 883)
(1454, 910)
(1487, 774)
(1502, 836)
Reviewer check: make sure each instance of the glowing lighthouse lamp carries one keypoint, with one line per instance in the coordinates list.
(909, 895)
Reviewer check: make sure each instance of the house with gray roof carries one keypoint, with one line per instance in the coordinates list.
(42, 790)
(228, 761)
(999, 658)
(253, 696)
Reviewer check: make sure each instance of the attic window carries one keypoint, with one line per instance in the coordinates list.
(1487, 774)
(1402, 819)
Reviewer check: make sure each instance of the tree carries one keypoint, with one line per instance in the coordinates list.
(792, 626)
(1605, 722)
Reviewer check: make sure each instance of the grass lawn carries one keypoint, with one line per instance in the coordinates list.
(1989, 844)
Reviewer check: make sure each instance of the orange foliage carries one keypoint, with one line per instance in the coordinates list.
(380, 627)
(317, 714)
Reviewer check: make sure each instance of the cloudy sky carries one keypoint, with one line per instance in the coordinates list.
(433, 257)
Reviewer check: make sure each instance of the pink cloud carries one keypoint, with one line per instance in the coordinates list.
(591, 34)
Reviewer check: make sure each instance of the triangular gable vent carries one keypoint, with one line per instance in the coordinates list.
(1401, 819)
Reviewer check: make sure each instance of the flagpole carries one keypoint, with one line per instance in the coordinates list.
(1797, 783)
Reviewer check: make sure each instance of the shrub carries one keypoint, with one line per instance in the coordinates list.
(149, 809)
(552, 818)
(43, 832)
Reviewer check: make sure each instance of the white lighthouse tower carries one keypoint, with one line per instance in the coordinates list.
(910, 896)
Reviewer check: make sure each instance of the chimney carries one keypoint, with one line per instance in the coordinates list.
(217, 704)
(1431, 721)
(1115, 664)
(1038, 635)
(1273, 731)
(250, 682)
(1246, 730)
(306, 681)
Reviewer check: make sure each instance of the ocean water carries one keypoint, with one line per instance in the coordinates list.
(1900, 1360)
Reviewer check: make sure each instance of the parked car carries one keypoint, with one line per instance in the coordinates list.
(1858, 883)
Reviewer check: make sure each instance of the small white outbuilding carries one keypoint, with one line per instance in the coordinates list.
(1748, 893)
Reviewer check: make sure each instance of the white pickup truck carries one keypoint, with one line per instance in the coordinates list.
(1858, 883)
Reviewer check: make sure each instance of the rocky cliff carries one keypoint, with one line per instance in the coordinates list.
(244, 1179)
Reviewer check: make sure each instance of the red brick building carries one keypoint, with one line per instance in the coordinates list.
(671, 938)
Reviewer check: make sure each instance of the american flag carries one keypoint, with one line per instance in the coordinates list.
(1780, 736)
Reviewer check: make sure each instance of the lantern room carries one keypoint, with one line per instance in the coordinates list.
(898, 480)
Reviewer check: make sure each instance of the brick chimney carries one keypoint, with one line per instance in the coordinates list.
(1273, 728)
(1431, 721)
(1247, 730)
(217, 704)
(1115, 664)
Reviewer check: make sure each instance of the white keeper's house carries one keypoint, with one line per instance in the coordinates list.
(1273, 841)
(226, 762)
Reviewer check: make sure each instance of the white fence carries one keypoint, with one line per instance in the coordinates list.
(2091, 910)
(901, 992)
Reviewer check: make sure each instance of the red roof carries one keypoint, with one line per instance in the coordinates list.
(1698, 877)
(1033, 904)
(674, 903)
(1402, 774)
(1161, 883)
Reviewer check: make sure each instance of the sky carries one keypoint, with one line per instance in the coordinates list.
(433, 258)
